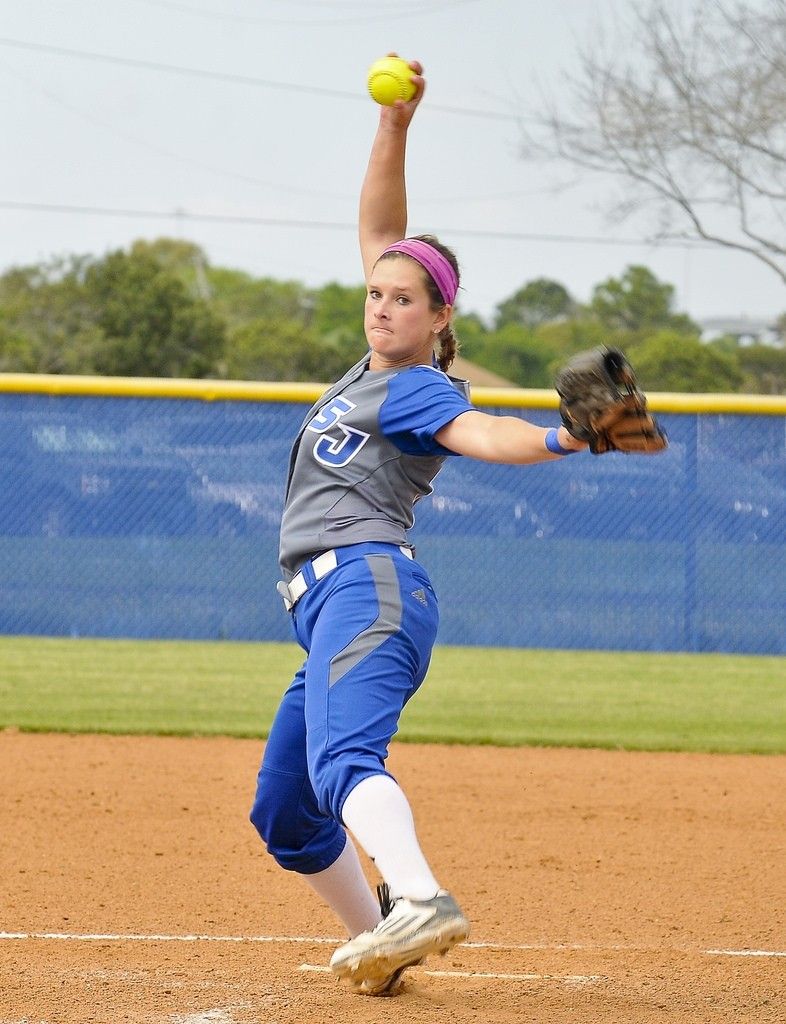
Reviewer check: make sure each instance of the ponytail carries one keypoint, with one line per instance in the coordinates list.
(448, 348)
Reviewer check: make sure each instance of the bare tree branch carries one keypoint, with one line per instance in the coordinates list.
(692, 117)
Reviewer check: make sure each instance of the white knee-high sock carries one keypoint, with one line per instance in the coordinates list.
(344, 888)
(379, 816)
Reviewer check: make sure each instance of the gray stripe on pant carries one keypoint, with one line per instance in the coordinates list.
(387, 622)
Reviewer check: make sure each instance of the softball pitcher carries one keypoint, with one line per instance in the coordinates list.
(362, 606)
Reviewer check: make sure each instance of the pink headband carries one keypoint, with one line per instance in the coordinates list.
(433, 261)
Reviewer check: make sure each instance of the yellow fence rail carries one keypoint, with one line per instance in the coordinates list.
(275, 391)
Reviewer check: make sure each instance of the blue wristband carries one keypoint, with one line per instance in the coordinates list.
(553, 445)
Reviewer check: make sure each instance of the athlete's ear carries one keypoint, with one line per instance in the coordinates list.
(442, 319)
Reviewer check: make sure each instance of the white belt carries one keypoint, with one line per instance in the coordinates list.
(320, 566)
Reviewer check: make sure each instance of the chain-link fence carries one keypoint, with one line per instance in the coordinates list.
(158, 517)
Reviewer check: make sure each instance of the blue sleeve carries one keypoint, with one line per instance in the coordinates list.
(419, 403)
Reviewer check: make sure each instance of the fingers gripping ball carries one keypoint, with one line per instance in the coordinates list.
(390, 79)
(600, 402)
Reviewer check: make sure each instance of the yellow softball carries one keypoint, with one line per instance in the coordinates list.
(390, 79)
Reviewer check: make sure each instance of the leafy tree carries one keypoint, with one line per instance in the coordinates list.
(264, 349)
(637, 301)
(17, 352)
(567, 337)
(267, 349)
(48, 322)
(124, 314)
(175, 254)
(537, 302)
(238, 297)
(472, 336)
(671, 361)
(151, 325)
(470, 324)
(513, 352)
(726, 343)
(139, 312)
(337, 320)
(764, 368)
(471, 332)
(338, 308)
(186, 260)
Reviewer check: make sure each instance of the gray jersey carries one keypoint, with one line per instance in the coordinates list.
(363, 456)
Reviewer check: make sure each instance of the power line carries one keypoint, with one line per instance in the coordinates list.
(345, 16)
(281, 222)
(178, 214)
(225, 76)
(114, 129)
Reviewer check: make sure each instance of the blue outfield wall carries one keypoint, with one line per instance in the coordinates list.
(137, 515)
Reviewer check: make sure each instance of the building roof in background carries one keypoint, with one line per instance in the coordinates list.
(477, 375)
(747, 330)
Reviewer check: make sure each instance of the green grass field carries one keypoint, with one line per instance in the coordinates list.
(511, 697)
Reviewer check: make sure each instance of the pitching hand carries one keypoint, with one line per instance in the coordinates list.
(400, 113)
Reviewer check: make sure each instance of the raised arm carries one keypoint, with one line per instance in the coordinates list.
(383, 197)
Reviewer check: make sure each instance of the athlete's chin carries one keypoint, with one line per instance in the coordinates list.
(383, 342)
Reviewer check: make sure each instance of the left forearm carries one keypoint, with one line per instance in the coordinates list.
(504, 439)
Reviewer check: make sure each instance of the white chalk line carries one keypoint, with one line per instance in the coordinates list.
(569, 979)
(132, 937)
(744, 952)
(312, 940)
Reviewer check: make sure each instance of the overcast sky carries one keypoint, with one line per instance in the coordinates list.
(237, 157)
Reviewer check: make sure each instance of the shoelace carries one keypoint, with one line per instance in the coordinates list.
(386, 901)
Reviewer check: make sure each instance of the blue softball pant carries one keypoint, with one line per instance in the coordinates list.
(368, 629)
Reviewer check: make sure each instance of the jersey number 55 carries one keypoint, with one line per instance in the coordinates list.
(339, 448)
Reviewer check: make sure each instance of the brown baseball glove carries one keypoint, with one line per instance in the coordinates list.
(600, 403)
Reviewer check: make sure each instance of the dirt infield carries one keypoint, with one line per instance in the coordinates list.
(603, 887)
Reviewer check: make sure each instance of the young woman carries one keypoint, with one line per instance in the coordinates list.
(362, 606)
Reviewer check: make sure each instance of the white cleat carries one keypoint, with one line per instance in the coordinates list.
(373, 961)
